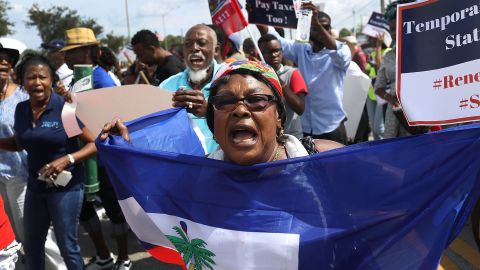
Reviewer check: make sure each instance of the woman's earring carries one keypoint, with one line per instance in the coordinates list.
(281, 133)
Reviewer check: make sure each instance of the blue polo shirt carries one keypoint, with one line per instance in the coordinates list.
(46, 142)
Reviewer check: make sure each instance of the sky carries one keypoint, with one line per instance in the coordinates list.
(179, 15)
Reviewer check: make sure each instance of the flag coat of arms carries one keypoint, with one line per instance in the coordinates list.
(391, 204)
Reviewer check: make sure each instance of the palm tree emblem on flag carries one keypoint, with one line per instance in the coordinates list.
(193, 251)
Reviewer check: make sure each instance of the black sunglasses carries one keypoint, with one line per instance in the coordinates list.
(254, 103)
(7, 58)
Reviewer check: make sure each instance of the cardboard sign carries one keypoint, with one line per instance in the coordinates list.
(278, 13)
(100, 106)
(438, 59)
(377, 25)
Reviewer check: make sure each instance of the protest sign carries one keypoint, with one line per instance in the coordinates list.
(378, 25)
(438, 61)
(228, 15)
(355, 91)
(100, 106)
(279, 13)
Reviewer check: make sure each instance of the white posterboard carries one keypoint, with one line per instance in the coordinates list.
(355, 91)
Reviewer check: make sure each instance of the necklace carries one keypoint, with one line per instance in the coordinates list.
(276, 153)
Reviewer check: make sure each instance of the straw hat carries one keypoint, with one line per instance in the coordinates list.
(79, 37)
(14, 54)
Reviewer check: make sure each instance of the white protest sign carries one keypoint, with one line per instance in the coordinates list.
(355, 91)
(438, 59)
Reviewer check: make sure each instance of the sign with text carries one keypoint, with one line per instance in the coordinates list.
(277, 13)
(378, 25)
(228, 15)
(438, 59)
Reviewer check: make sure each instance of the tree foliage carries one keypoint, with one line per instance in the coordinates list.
(113, 42)
(5, 24)
(53, 22)
(170, 40)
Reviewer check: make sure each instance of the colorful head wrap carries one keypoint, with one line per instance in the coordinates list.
(264, 70)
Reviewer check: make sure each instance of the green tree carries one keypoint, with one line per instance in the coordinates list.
(170, 40)
(53, 22)
(193, 251)
(113, 42)
(5, 24)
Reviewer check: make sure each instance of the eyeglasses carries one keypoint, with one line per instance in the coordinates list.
(6, 58)
(254, 103)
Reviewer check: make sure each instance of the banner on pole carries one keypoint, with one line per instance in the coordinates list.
(279, 13)
(438, 61)
(228, 15)
(377, 25)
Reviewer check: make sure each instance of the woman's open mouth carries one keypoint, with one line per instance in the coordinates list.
(243, 136)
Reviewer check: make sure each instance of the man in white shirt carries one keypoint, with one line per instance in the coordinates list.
(57, 59)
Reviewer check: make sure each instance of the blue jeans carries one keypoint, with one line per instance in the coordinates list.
(376, 119)
(63, 210)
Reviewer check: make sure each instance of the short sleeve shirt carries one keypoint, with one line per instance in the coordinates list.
(101, 79)
(12, 164)
(46, 142)
(170, 67)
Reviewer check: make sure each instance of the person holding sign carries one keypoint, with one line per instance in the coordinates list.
(82, 49)
(387, 76)
(323, 63)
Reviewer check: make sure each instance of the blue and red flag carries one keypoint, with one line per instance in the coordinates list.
(390, 204)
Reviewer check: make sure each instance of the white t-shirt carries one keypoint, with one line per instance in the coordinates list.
(65, 74)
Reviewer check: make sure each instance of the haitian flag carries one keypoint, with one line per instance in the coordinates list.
(390, 204)
(228, 15)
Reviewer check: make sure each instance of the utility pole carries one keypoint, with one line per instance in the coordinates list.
(128, 20)
(354, 23)
(163, 24)
(382, 6)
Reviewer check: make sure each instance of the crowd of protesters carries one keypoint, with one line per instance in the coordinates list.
(34, 88)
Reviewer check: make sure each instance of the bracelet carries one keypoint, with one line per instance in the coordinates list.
(71, 159)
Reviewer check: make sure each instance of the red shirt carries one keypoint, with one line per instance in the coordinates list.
(6, 232)
(297, 83)
(360, 58)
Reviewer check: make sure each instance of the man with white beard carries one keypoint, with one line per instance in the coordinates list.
(192, 86)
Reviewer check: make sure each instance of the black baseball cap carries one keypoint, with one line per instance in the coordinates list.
(54, 45)
(14, 54)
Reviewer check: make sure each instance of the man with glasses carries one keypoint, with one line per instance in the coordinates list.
(323, 63)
